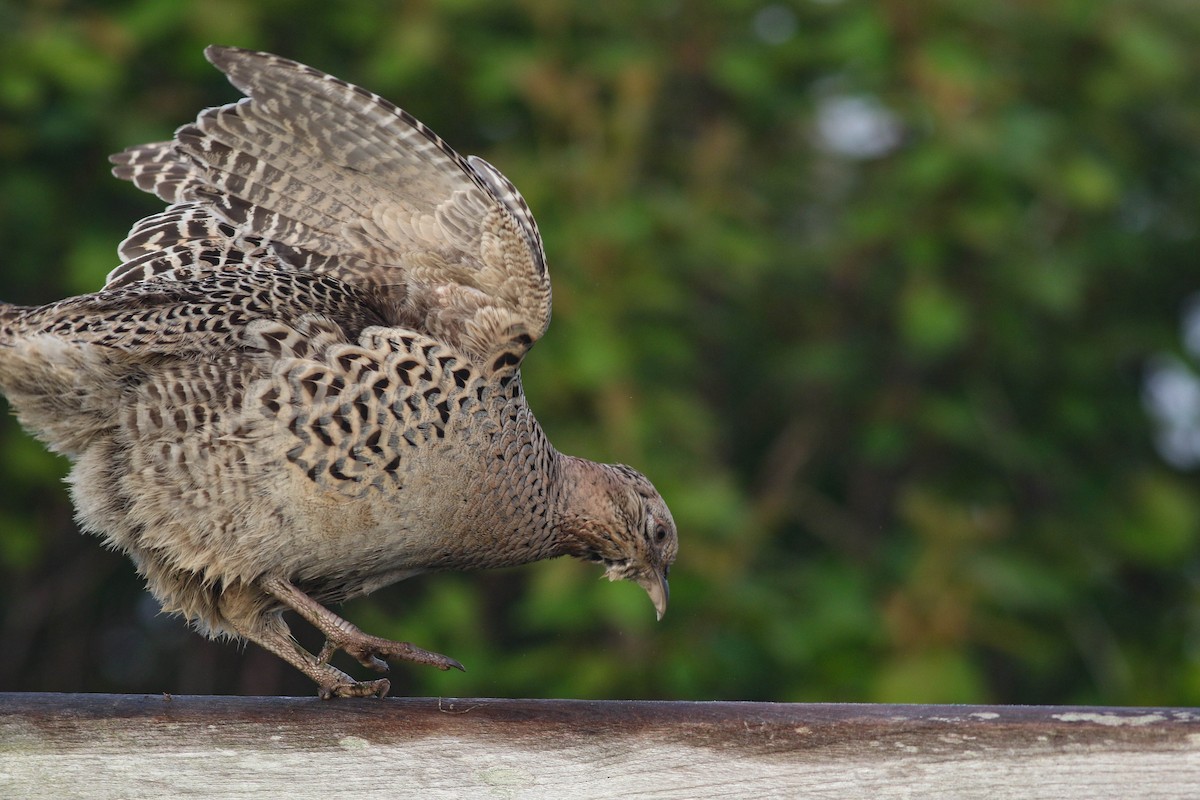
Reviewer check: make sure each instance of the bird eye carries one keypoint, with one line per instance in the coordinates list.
(660, 533)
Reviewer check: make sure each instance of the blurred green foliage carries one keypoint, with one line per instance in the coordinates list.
(867, 289)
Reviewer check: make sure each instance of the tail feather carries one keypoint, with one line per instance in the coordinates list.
(9, 314)
(63, 393)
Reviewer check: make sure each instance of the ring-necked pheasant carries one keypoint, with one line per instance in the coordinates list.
(303, 382)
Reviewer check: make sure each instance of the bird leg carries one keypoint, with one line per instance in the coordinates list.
(331, 681)
(370, 651)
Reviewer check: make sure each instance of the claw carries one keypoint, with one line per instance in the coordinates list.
(369, 660)
(360, 654)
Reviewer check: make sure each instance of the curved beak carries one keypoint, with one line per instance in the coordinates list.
(656, 586)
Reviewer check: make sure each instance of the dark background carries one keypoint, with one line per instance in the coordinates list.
(890, 299)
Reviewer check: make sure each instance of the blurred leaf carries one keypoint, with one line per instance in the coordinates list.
(929, 677)
(932, 319)
(1162, 524)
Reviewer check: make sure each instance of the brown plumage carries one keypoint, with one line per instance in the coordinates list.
(303, 382)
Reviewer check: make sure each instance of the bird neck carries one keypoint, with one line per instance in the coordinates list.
(584, 510)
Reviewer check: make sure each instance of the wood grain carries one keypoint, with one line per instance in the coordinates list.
(118, 746)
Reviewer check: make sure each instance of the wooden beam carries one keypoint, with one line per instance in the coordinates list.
(118, 746)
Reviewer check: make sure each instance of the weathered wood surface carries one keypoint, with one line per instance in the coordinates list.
(117, 746)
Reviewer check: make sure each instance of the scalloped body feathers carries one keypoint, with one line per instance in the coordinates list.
(303, 381)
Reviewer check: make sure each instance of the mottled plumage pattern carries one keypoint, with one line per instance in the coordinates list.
(302, 383)
(354, 187)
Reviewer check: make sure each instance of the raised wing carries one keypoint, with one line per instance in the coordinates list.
(326, 177)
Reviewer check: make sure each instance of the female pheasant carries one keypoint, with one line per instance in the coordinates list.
(303, 383)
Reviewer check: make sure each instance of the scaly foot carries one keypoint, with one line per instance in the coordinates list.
(370, 651)
(374, 652)
(377, 688)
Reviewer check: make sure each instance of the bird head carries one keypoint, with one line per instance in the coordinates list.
(612, 515)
